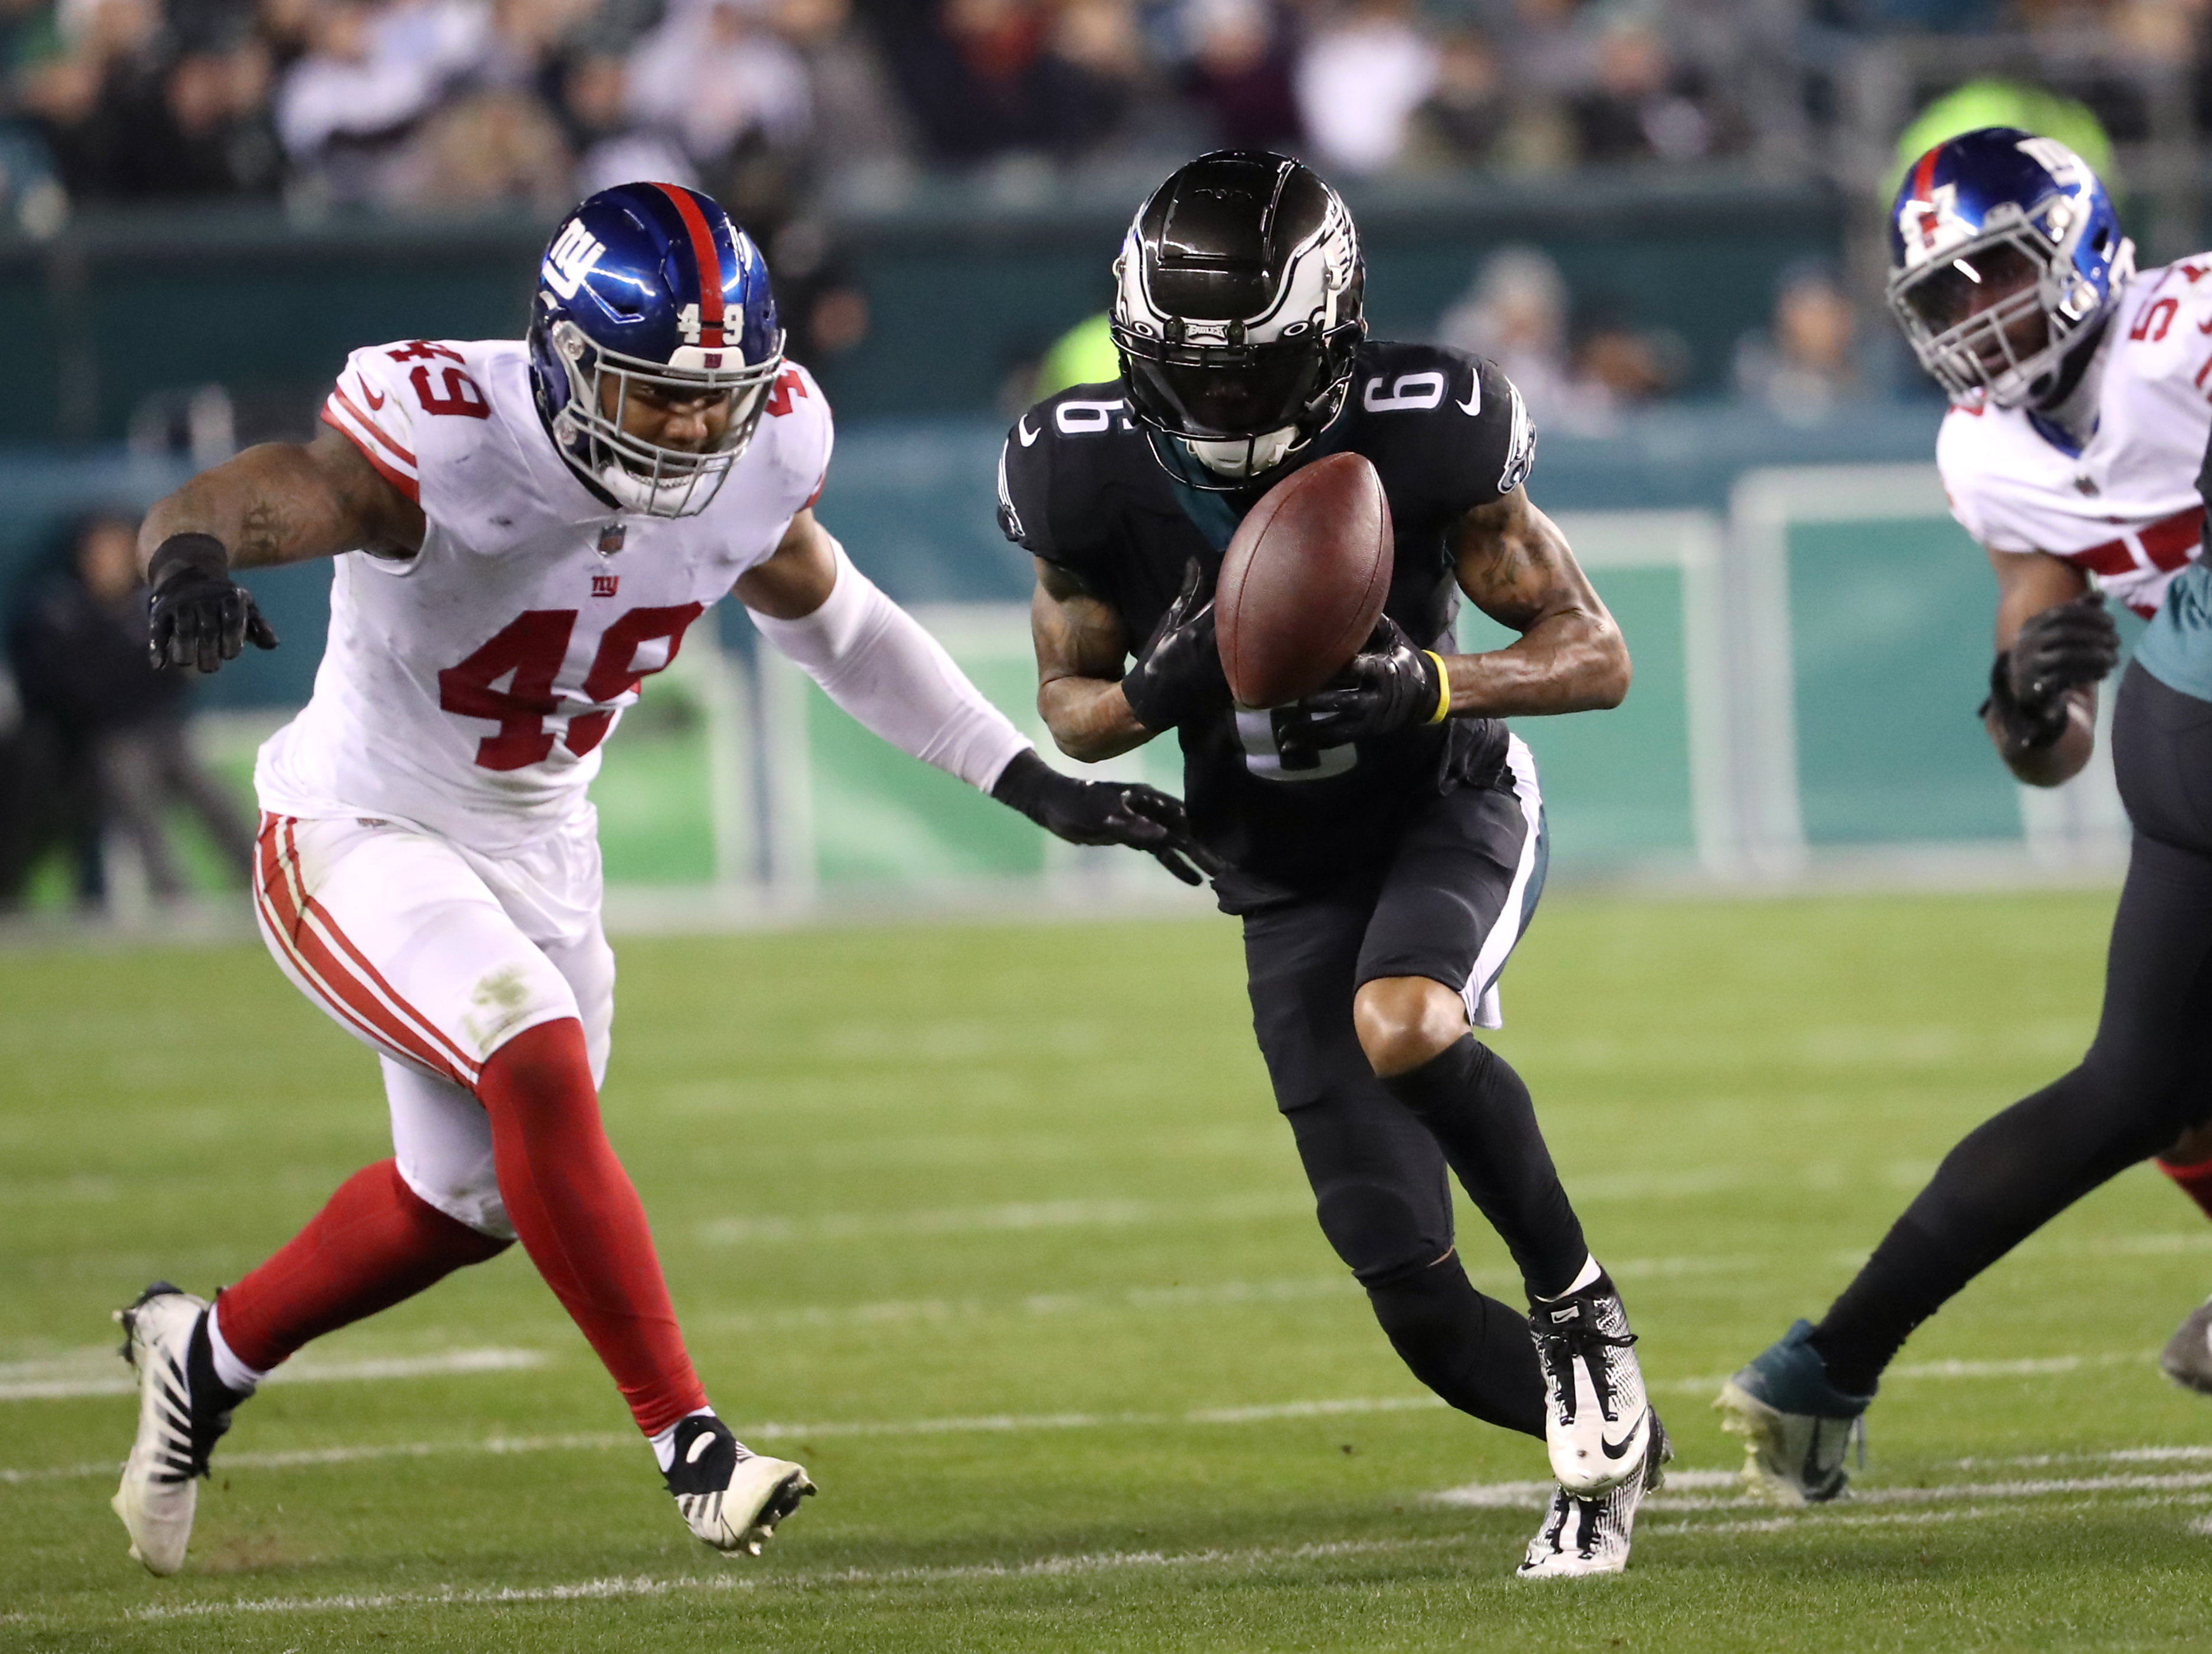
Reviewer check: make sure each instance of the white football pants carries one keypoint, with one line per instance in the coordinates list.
(434, 957)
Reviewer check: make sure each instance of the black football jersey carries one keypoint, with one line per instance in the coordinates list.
(1079, 487)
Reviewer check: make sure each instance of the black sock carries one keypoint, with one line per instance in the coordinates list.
(213, 1401)
(2006, 1179)
(1473, 1351)
(1901, 1285)
(1481, 1115)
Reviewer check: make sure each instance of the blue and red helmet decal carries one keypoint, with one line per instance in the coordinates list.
(1982, 181)
(651, 270)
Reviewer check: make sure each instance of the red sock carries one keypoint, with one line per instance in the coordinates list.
(580, 1220)
(373, 1245)
(2195, 1182)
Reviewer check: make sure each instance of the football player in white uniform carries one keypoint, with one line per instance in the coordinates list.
(2081, 394)
(523, 531)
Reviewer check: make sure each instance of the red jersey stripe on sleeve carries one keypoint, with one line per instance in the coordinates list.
(338, 396)
(336, 417)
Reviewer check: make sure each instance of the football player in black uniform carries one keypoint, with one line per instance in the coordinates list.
(1382, 841)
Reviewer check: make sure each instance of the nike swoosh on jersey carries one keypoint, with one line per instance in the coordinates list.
(1474, 403)
(1022, 427)
(1614, 1452)
(369, 394)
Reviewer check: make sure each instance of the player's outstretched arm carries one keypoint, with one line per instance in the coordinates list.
(279, 502)
(2055, 644)
(1516, 566)
(877, 663)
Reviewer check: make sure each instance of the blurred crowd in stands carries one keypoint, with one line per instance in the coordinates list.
(473, 103)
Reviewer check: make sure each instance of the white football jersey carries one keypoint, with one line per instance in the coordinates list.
(2125, 509)
(468, 688)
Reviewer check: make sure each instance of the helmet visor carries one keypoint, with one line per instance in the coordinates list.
(1990, 320)
(610, 392)
(1212, 394)
(1978, 279)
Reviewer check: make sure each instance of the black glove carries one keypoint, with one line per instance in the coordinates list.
(1177, 676)
(1106, 813)
(198, 615)
(2067, 646)
(1387, 686)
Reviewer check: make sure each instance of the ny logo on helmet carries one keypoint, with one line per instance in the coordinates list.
(570, 259)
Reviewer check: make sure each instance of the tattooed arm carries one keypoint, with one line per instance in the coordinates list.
(286, 502)
(1515, 567)
(1080, 645)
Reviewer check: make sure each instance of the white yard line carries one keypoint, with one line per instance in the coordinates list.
(1054, 1567)
(991, 1424)
(984, 1219)
(1050, 1567)
(1533, 1495)
(2036, 1366)
(982, 1424)
(102, 1371)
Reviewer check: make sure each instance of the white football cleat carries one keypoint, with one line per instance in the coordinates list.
(2187, 1358)
(183, 1411)
(1582, 1536)
(731, 1497)
(1597, 1424)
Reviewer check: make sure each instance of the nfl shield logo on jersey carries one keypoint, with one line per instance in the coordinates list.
(610, 538)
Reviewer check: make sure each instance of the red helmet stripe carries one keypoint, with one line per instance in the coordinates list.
(1923, 176)
(708, 260)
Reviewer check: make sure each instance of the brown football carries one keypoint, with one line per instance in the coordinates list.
(1303, 580)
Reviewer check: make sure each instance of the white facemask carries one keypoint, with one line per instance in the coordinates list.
(1243, 456)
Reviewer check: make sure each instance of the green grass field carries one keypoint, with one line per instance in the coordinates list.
(998, 1230)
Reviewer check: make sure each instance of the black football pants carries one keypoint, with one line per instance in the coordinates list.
(2148, 1076)
(1448, 907)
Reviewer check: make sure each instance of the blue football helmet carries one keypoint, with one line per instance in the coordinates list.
(1990, 229)
(650, 287)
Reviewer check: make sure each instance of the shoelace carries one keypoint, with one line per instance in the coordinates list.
(1562, 1345)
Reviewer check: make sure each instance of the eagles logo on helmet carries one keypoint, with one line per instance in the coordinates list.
(1237, 314)
(649, 288)
(1990, 231)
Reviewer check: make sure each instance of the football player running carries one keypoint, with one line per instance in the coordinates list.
(1382, 842)
(2074, 452)
(523, 533)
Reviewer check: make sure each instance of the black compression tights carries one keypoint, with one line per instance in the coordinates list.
(1479, 1109)
(1473, 1351)
(2147, 1078)
(1375, 1158)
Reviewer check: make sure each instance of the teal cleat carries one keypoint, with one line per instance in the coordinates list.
(1796, 1426)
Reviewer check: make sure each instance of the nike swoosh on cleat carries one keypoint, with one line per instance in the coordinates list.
(1028, 436)
(1611, 1451)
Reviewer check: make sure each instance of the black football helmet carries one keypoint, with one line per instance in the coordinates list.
(1238, 314)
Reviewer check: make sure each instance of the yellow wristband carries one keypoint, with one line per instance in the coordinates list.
(1443, 688)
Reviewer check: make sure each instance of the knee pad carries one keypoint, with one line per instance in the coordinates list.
(1379, 1232)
